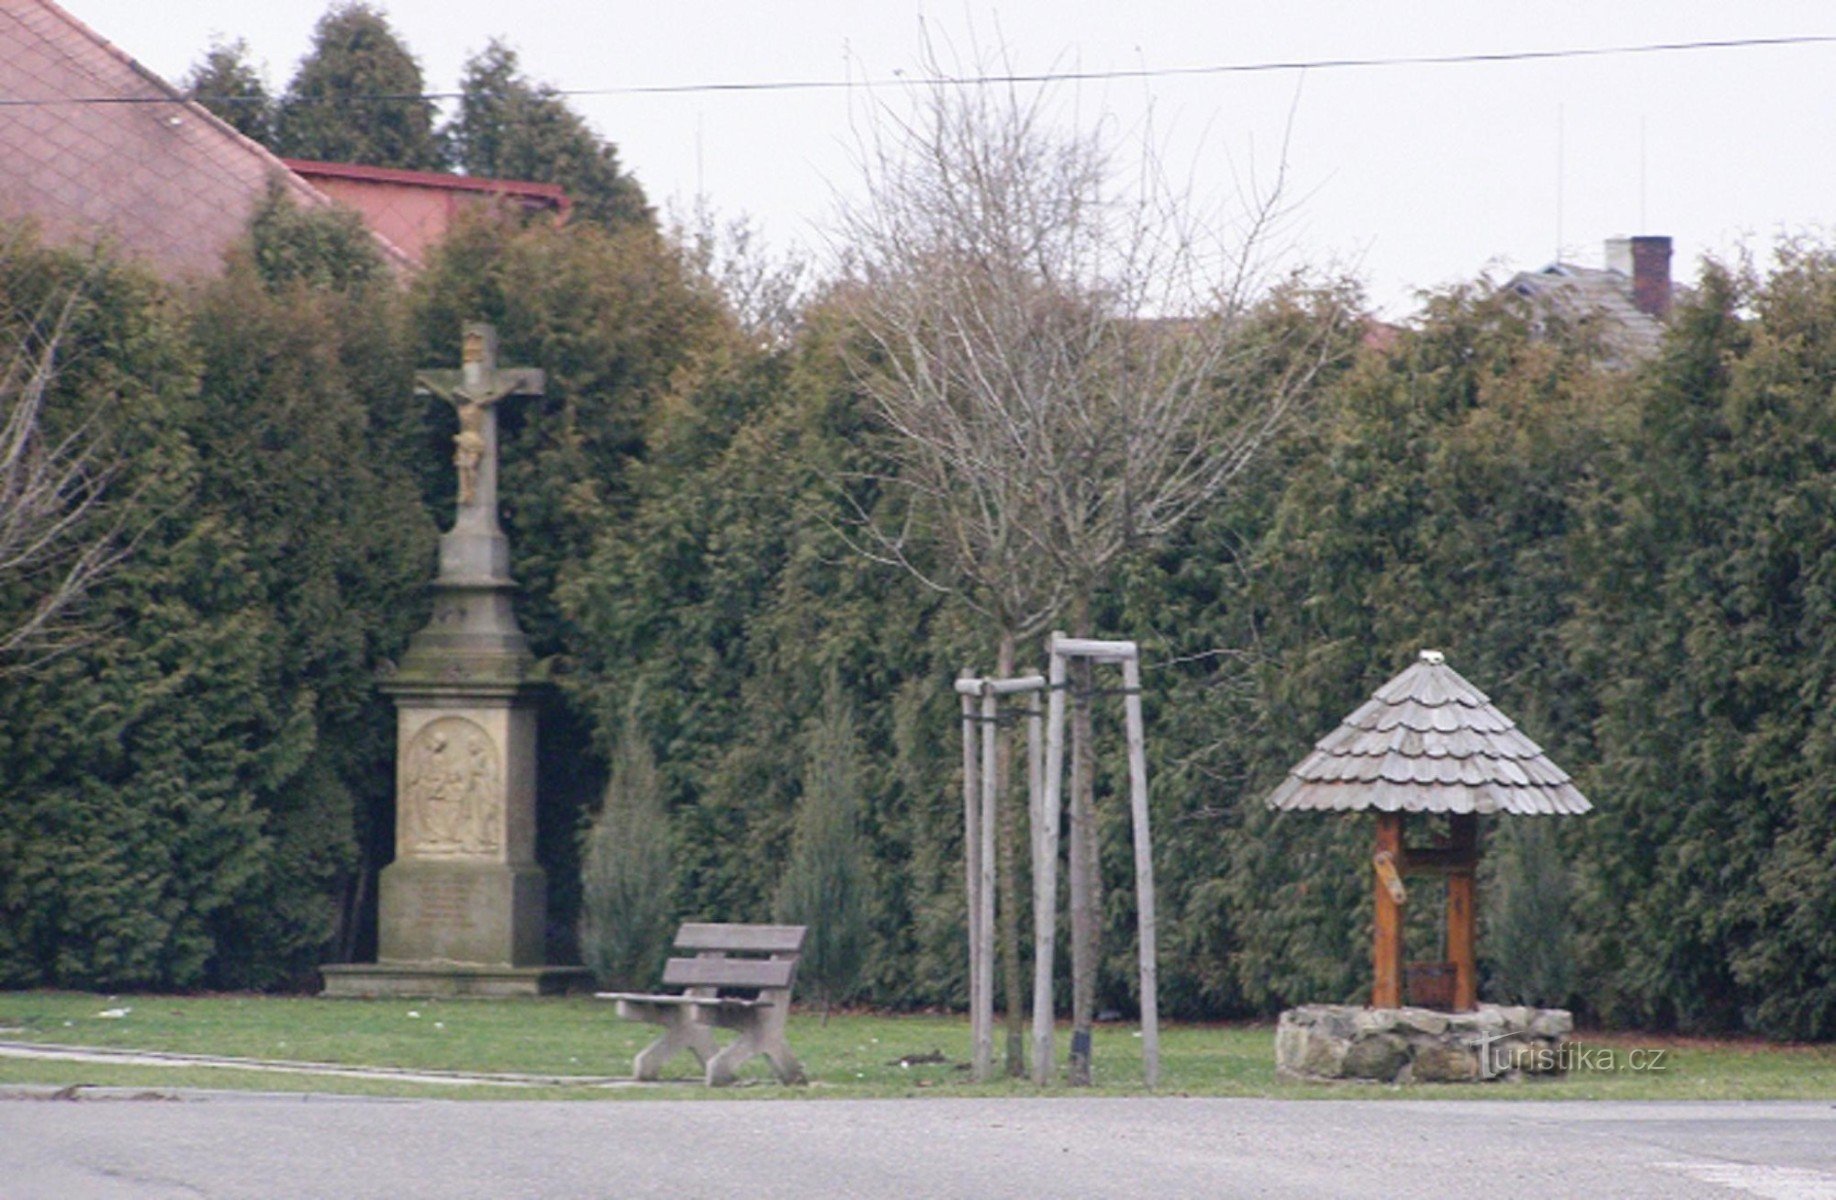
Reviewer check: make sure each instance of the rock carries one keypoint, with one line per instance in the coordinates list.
(1493, 1021)
(1537, 1057)
(1552, 1023)
(1324, 1054)
(1423, 1020)
(1444, 1063)
(1290, 1045)
(1379, 1058)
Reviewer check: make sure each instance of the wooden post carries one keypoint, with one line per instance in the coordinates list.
(1387, 927)
(1462, 898)
(972, 868)
(1144, 871)
(984, 1045)
(1045, 868)
(1083, 871)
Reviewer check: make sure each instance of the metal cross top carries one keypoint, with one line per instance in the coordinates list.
(473, 391)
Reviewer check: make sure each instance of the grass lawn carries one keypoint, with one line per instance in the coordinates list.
(581, 1043)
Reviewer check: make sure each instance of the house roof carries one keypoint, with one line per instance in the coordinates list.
(1428, 741)
(97, 147)
(1574, 293)
(539, 195)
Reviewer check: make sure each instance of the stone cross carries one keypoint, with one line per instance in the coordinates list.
(474, 391)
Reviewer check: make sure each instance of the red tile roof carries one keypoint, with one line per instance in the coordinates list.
(416, 209)
(96, 147)
(539, 195)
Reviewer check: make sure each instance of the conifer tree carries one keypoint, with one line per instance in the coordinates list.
(627, 871)
(358, 97)
(509, 127)
(230, 86)
(127, 823)
(826, 883)
(303, 383)
(1529, 940)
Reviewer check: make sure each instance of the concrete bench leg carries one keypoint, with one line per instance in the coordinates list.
(760, 1032)
(683, 1029)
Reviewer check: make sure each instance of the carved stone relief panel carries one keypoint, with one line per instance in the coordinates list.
(452, 791)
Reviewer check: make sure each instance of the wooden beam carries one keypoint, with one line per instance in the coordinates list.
(1387, 927)
(971, 685)
(1045, 872)
(983, 1063)
(1112, 652)
(1435, 862)
(1462, 920)
(972, 865)
(1144, 874)
(1461, 894)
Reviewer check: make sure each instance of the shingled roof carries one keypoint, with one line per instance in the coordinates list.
(94, 146)
(1575, 293)
(1428, 741)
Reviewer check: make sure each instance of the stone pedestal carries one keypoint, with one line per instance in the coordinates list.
(463, 908)
(1338, 1042)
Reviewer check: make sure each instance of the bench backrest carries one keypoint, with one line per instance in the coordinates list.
(715, 968)
(741, 939)
(762, 973)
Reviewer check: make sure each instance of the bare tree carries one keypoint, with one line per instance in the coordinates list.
(55, 542)
(763, 289)
(1067, 359)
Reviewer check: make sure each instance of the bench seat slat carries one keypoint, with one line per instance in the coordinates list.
(743, 939)
(728, 972)
(677, 998)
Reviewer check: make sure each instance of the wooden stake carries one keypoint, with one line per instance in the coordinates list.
(972, 869)
(984, 1044)
(1144, 871)
(1085, 883)
(1045, 870)
(1387, 928)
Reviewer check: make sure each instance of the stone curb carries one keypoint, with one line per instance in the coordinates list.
(160, 1058)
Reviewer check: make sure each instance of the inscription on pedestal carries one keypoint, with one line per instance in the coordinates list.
(445, 906)
(452, 791)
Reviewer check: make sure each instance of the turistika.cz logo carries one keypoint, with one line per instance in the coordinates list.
(1501, 1052)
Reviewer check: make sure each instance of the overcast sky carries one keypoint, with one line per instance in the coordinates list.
(1414, 176)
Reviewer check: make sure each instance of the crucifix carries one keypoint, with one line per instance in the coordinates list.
(474, 391)
(463, 908)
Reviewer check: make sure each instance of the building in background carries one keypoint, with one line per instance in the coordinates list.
(1631, 296)
(414, 209)
(96, 148)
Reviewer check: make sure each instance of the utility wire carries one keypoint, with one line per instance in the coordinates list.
(903, 81)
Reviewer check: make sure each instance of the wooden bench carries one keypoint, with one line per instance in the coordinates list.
(740, 979)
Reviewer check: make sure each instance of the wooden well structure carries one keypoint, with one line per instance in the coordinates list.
(1428, 742)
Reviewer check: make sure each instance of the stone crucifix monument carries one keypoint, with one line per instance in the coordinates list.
(463, 908)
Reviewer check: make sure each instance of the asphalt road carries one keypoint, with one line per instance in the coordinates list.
(227, 1146)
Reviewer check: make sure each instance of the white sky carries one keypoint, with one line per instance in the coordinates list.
(1414, 176)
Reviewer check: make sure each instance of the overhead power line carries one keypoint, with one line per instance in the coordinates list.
(1319, 64)
(1124, 73)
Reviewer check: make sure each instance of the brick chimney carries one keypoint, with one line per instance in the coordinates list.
(1646, 262)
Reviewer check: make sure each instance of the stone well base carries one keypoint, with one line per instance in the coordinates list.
(1404, 1045)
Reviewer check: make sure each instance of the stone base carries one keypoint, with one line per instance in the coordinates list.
(1419, 1045)
(455, 911)
(370, 980)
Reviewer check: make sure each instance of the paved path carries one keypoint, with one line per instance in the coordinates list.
(226, 1146)
(163, 1058)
